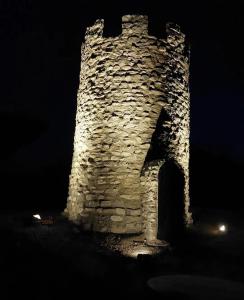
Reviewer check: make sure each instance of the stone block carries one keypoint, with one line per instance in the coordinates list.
(117, 218)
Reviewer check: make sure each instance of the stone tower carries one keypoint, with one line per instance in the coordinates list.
(132, 118)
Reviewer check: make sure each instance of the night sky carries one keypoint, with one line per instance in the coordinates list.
(40, 62)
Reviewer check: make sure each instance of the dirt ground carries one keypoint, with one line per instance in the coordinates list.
(58, 261)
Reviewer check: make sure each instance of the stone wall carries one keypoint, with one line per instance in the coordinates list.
(125, 83)
(149, 182)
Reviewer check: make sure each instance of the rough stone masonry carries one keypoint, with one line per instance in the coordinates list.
(132, 117)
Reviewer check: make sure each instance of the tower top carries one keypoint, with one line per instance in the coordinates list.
(133, 24)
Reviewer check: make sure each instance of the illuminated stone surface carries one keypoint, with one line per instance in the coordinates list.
(126, 82)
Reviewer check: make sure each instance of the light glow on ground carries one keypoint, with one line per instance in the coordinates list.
(222, 228)
(37, 217)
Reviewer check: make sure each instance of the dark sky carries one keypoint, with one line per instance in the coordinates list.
(40, 60)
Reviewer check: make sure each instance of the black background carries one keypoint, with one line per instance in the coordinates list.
(39, 69)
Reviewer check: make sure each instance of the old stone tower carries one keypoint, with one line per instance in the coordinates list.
(131, 144)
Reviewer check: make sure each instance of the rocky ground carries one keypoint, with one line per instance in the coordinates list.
(56, 261)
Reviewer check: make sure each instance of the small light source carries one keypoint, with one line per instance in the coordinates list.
(222, 228)
(142, 250)
(37, 217)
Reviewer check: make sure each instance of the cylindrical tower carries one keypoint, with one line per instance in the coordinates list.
(126, 84)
